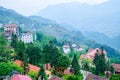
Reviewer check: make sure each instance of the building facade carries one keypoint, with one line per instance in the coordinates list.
(27, 37)
(9, 29)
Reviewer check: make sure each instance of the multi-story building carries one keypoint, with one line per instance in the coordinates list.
(27, 37)
(66, 49)
(9, 29)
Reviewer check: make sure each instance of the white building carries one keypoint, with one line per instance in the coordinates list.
(66, 49)
(27, 37)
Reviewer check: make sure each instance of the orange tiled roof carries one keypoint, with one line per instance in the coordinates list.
(20, 77)
(31, 67)
(116, 67)
(67, 71)
(91, 53)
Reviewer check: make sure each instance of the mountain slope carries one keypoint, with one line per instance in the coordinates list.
(10, 16)
(103, 39)
(103, 18)
(36, 23)
(50, 27)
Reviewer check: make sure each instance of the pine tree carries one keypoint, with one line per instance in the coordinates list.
(75, 65)
(14, 41)
(20, 50)
(100, 63)
(86, 66)
(42, 73)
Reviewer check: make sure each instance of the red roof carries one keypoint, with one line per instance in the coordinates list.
(55, 78)
(18, 62)
(91, 53)
(10, 25)
(20, 77)
(67, 71)
(31, 67)
(116, 67)
(94, 77)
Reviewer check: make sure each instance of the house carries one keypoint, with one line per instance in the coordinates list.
(20, 77)
(91, 54)
(27, 37)
(116, 68)
(9, 29)
(31, 67)
(67, 71)
(94, 77)
(34, 68)
(55, 78)
(66, 49)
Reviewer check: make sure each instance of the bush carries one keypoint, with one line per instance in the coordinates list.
(72, 77)
(115, 77)
(32, 74)
(6, 68)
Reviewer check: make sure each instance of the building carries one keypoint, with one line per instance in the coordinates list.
(9, 29)
(91, 54)
(33, 68)
(94, 77)
(66, 49)
(20, 77)
(27, 37)
(116, 68)
(55, 78)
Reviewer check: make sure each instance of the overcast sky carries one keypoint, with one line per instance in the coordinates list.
(30, 7)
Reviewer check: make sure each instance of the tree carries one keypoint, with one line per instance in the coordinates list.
(34, 54)
(100, 63)
(14, 41)
(75, 65)
(3, 43)
(42, 73)
(115, 77)
(61, 63)
(86, 66)
(20, 50)
(39, 36)
(5, 68)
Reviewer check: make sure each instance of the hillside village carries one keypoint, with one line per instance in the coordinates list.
(22, 59)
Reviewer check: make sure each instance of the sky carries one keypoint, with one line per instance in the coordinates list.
(31, 7)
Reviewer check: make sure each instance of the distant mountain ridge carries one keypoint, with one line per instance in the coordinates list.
(103, 39)
(103, 18)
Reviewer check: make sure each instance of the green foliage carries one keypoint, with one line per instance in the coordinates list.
(42, 73)
(33, 74)
(34, 54)
(61, 63)
(16, 67)
(72, 77)
(20, 50)
(14, 41)
(100, 64)
(75, 65)
(3, 43)
(6, 68)
(115, 77)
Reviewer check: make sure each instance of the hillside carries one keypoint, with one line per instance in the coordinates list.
(103, 39)
(103, 18)
(41, 24)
